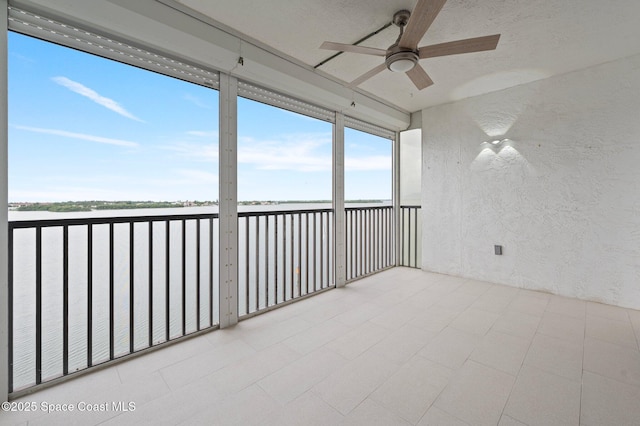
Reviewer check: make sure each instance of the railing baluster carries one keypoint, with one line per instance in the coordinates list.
(65, 300)
(257, 258)
(275, 248)
(246, 263)
(306, 244)
(284, 257)
(111, 295)
(184, 278)
(131, 288)
(167, 289)
(38, 305)
(415, 239)
(266, 261)
(89, 295)
(322, 242)
(329, 245)
(293, 266)
(315, 242)
(299, 268)
(150, 311)
(10, 308)
(198, 274)
(211, 257)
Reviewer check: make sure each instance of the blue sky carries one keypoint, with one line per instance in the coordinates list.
(83, 127)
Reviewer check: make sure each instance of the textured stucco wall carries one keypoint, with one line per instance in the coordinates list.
(561, 194)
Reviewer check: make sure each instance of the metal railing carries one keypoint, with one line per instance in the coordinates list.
(87, 291)
(283, 255)
(369, 240)
(411, 232)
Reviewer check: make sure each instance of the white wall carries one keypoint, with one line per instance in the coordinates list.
(562, 194)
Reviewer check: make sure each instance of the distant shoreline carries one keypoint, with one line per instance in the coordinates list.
(94, 205)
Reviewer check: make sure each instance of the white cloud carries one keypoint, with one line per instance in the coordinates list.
(191, 176)
(302, 153)
(195, 152)
(83, 90)
(370, 163)
(196, 101)
(213, 134)
(302, 156)
(82, 136)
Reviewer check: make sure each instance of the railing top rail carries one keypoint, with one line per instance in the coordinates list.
(410, 207)
(369, 208)
(44, 223)
(282, 212)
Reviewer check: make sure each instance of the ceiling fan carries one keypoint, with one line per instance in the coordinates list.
(404, 54)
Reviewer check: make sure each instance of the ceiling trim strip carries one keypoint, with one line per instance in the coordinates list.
(366, 127)
(44, 28)
(266, 96)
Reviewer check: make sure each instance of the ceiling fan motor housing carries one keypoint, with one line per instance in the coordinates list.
(401, 59)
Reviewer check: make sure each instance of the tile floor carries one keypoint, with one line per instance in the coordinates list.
(403, 347)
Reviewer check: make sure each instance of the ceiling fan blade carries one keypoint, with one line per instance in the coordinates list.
(419, 77)
(477, 44)
(329, 45)
(366, 76)
(420, 20)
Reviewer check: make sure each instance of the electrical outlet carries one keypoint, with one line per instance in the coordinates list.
(497, 250)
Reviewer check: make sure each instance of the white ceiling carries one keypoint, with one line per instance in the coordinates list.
(540, 38)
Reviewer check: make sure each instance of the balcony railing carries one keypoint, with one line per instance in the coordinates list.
(369, 240)
(283, 255)
(411, 231)
(86, 291)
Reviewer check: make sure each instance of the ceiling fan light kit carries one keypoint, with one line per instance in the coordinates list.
(402, 60)
(404, 54)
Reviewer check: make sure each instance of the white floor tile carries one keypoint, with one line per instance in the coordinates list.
(247, 407)
(435, 318)
(475, 321)
(541, 398)
(613, 361)
(451, 347)
(502, 352)
(437, 417)
(413, 388)
(563, 327)
(607, 311)
(191, 369)
(509, 421)
(556, 356)
(316, 336)
(612, 331)
(607, 401)
(401, 345)
(358, 340)
(568, 307)
(477, 394)
(348, 386)
(290, 382)
(371, 413)
(308, 410)
(517, 324)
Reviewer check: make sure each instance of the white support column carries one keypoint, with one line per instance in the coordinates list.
(339, 249)
(4, 297)
(395, 173)
(228, 201)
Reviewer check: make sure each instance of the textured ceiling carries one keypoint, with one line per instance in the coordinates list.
(539, 39)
